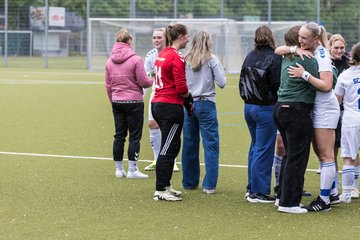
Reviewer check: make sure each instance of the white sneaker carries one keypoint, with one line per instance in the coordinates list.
(354, 193)
(166, 196)
(345, 198)
(136, 174)
(173, 192)
(119, 173)
(294, 210)
(209, 191)
(277, 201)
(176, 168)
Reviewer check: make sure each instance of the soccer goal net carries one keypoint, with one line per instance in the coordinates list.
(19, 43)
(231, 40)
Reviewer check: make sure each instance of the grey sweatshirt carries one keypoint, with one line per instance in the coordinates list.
(202, 83)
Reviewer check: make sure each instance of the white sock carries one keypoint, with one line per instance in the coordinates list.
(119, 165)
(277, 165)
(132, 166)
(327, 176)
(155, 141)
(356, 177)
(347, 179)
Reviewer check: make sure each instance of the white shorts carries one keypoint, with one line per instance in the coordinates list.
(326, 111)
(150, 116)
(350, 141)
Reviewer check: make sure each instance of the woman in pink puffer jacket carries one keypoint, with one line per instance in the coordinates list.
(125, 79)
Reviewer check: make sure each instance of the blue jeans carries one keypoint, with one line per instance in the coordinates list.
(204, 122)
(262, 129)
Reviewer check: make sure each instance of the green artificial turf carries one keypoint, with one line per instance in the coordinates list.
(66, 113)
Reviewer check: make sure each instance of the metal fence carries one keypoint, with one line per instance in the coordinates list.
(31, 36)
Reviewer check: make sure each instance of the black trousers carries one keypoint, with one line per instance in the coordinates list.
(170, 118)
(127, 117)
(294, 122)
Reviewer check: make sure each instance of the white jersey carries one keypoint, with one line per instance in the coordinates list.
(348, 86)
(326, 107)
(149, 65)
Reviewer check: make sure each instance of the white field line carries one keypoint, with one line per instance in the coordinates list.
(57, 73)
(16, 81)
(108, 159)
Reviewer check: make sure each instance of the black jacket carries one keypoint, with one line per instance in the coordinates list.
(260, 76)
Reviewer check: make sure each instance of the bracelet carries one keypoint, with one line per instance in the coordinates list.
(293, 49)
(306, 75)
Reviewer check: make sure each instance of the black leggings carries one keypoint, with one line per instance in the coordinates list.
(170, 118)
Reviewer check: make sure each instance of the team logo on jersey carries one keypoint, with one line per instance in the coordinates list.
(356, 80)
(322, 52)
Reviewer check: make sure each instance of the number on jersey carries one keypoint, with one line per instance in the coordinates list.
(158, 81)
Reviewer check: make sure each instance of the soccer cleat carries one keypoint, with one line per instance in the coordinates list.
(318, 205)
(119, 173)
(345, 198)
(259, 198)
(318, 171)
(293, 210)
(151, 167)
(334, 199)
(166, 196)
(173, 192)
(209, 191)
(136, 174)
(354, 193)
(176, 168)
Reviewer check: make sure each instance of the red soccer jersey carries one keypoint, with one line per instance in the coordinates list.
(170, 81)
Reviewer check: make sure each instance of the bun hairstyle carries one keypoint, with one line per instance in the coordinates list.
(318, 31)
(173, 31)
(123, 36)
(355, 55)
(264, 37)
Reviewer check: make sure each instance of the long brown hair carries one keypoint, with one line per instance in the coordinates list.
(264, 37)
(291, 38)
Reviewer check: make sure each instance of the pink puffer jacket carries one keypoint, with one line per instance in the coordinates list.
(125, 75)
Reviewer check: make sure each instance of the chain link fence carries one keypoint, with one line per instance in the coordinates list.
(28, 40)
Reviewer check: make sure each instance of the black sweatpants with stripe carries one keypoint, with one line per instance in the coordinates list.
(170, 118)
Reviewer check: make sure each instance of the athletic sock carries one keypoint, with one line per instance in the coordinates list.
(132, 166)
(277, 165)
(347, 179)
(356, 177)
(155, 141)
(119, 165)
(327, 176)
